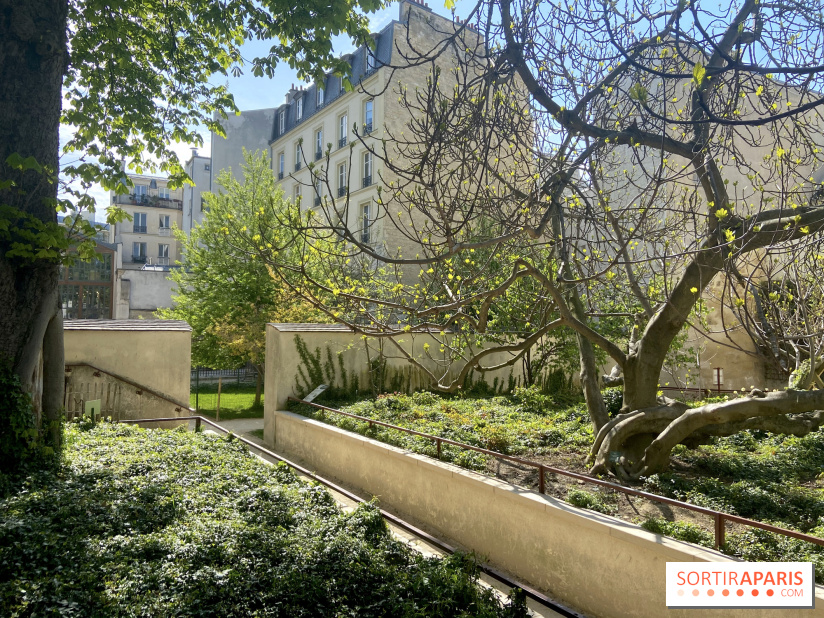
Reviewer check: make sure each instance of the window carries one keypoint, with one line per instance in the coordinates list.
(281, 165)
(341, 179)
(366, 223)
(139, 223)
(369, 61)
(318, 144)
(207, 167)
(163, 225)
(367, 169)
(164, 193)
(342, 87)
(368, 108)
(139, 252)
(86, 288)
(282, 122)
(320, 95)
(298, 156)
(296, 194)
(342, 123)
(163, 254)
(299, 112)
(141, 193)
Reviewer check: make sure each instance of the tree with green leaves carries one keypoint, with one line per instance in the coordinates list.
(128, 77)
(225, 292)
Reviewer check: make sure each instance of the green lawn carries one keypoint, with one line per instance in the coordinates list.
(760, 476)
(141, 522)
(236, 401)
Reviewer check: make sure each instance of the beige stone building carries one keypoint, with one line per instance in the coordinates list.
(325, 143)
(154, 209)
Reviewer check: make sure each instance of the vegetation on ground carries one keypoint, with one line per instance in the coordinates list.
(160, 523)
(526, 422)
(236, 401)
(772, 478)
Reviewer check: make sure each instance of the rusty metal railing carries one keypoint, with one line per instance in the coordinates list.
(719, 518)
(394, 519)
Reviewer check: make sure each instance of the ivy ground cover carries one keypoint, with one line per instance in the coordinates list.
(169, 523)
(770, 478)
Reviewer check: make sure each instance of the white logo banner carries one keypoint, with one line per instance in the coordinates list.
(740, 584)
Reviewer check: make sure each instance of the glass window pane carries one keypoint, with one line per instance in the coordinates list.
(70, 299)
(97, 302)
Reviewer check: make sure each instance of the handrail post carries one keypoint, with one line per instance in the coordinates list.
(197, 425)
(438, 440)
(541, 479)
(720, 531)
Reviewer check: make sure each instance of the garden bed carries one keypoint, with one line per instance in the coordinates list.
(774, 479)
(141, 522)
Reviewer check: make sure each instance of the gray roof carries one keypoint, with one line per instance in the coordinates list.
(309, 328)
(332, 91)
(146, 325)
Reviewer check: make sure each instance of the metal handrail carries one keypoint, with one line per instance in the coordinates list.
(719, 517)
(140, 387)
(394, 519)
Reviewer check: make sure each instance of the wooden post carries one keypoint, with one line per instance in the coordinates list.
(219, 386)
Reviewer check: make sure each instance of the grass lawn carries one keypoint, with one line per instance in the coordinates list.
(776, 479)
(169, 523)
(236, 401)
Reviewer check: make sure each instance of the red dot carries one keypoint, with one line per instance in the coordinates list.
(740, 592)
(695, 592)
(770, 592)
(755, 593)
(725, 592)
(711, 592)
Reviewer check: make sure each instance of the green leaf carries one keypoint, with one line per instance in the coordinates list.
(698, 73)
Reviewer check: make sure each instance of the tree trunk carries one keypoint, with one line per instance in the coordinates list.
(33, 56)
(258, 385)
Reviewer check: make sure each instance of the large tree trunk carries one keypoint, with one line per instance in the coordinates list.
(33, 58)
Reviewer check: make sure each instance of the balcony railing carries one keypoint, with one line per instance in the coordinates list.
(342, 191)
(318, 155)
(367, 128)
(139, 229)
(148, 200)
(164, 231)
(280, 175)
(342, 142)
(139, 259)
(162, 261)
(367, 181)
(297, 166)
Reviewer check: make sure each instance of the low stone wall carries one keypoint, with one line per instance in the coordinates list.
(598, 564)
(137, 368)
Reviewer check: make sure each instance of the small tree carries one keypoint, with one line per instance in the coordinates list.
(226, 293)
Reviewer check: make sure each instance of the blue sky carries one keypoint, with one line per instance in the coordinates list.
(252, 92)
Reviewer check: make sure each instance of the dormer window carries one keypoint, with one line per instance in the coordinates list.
(282, 122)
(370, 61)
(299, 112)
(320, 96)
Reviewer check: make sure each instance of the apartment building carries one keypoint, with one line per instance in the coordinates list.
(334, 131)
(154, 208)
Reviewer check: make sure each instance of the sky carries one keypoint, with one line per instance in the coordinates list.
(252, 92)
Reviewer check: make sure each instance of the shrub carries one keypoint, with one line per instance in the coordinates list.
(592, 501)
(613, 399)
(683, 531)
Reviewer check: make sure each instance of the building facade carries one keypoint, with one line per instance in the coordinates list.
(323, 141)
(154, 208)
